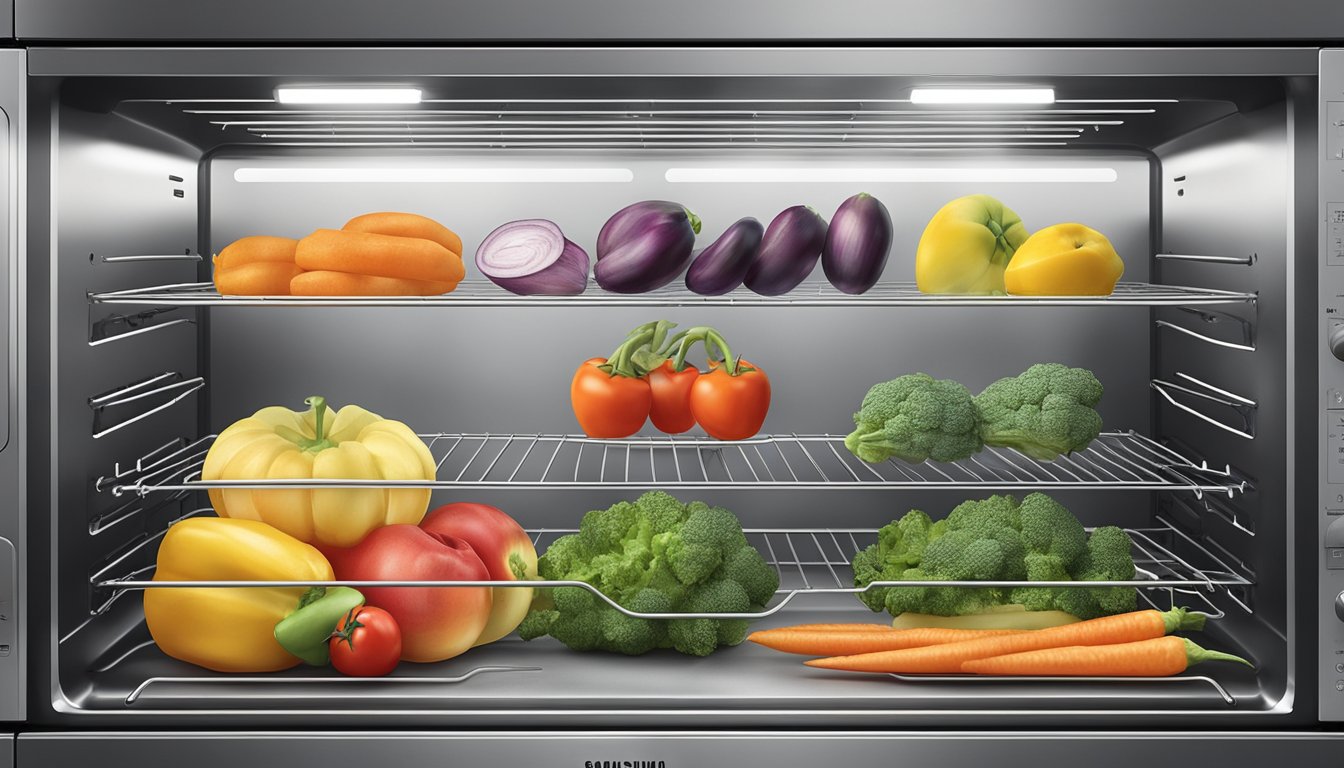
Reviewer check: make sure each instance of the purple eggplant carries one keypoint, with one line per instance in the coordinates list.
(645, 246)
(722, 266)
(789, 251)
(531, 257)
(857, 244)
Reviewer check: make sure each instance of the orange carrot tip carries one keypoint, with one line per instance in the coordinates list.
(947, 658)
(1158, 657)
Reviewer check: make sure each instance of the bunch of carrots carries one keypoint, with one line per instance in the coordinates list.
(1137, 644)
(377, 254)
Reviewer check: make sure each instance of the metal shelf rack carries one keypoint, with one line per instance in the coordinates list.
(476, 293)
(816, 562)
(811, 563)
(1115, 460)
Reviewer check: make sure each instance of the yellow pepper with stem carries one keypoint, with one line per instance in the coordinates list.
(349, 444)
(967, 245)
(228, 629)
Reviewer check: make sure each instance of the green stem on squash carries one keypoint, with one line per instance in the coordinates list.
(311, 444)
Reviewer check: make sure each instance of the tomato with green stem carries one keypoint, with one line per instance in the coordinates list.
(610, 396)
(671, 384)
(366, 643)
(729, 402)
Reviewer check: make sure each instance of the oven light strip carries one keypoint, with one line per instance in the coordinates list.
(764, 175)
(435, 175)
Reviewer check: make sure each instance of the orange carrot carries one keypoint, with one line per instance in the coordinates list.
(838, 628)
(259, 278)
(362, 253)
(325, 283)
(406, 225)
(948, 658)
(833, 642)
(1158, 657)
(255, 249)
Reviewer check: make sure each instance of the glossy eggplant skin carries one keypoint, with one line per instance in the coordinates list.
(789, 251)
(644, 246)
(723, 266)
(857, 244)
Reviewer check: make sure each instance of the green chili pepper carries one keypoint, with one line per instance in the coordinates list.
(305, 632)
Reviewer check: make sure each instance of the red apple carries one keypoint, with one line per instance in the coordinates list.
(506, 550)
(436, 623)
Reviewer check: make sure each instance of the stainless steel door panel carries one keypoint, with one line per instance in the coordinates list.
(677, 749)
(689, 20)
(12, 670)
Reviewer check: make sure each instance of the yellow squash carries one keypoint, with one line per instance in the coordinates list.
(966, 246)
(228, 629)
(1064, 260)
(277, 443)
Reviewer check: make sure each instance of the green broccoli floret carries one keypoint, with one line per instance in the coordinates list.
(942, 601)
(991, 545)
(1042, 567)
(996, 539)
(662, 511)
(1109, 557)
(654, 555)
(916, 418)
(900, 545)
(700, 637)
(756, 577)
(537, 623)
(1049, 528)
(1045, 412)
(565, 555)
(604, 530)
(999, 511)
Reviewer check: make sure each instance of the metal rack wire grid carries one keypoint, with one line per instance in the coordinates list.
(817, 562)
(1115, 460)
(486, 294)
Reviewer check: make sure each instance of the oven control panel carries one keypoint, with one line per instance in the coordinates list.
(1330, 509)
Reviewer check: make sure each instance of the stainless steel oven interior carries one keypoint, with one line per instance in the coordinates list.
(1192, 162)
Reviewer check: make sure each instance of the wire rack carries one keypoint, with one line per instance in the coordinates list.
(811, 563)
(1115, 460)
(486, 294)
(816, 562)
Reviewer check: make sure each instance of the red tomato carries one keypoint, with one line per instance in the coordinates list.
(731, 407)
(671, 409)
(367, 643)
(607, 404)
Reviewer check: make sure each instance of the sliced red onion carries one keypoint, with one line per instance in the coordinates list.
(531, 257)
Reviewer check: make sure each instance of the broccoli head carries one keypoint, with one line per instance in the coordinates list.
(996, 539)
(653, 555)
(1050, 529)
(915, 418)
(1109, 557)
(900, 545)
(1045, 412)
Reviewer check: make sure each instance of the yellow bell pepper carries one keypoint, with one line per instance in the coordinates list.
(1064, 260)
(966, 246)
(355, 444)
(228, 629)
